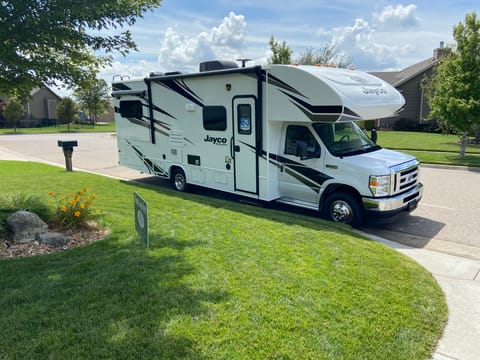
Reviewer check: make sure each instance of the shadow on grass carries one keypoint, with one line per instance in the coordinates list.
(123, 302)
(285, 214)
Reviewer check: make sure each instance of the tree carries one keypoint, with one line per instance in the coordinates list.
(326, 54)
(13, 111)
(94, 97)
(67, 111)
(453, 93)
(281, 54)
(56, 40)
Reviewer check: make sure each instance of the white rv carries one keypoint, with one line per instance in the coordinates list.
(281, 133)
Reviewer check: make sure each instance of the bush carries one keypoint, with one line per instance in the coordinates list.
(13, 203)
(404, 124)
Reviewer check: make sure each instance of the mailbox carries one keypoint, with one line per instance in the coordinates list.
(67, 147)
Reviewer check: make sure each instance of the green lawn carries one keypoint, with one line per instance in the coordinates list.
(430, 148)
(221, 280)
(75, 128)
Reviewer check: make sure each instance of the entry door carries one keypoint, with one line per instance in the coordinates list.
(244, 144)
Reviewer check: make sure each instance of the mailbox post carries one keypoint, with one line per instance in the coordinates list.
(67, 147)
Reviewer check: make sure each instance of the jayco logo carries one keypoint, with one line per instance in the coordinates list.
(374, 91)
(216, 140)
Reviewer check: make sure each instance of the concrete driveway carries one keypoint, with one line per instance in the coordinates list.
(447, 219)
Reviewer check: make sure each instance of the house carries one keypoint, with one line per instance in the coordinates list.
(40, 106)
(408, 81)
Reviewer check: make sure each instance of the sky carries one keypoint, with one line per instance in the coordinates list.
(377, 35)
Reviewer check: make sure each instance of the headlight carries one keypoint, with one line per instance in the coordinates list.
(380, 185)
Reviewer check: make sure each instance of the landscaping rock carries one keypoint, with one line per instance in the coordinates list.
(53, 238)
(26, 226)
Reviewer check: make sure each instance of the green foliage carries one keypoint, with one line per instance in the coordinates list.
(73, 210)
(211, 285)
(13, 111)
(281, 54)
(47, 40)
(67, 110)
(10, 204)
(326, 55)
(94, 97)
(453, 92)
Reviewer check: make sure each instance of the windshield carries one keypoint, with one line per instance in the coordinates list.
(344, 139)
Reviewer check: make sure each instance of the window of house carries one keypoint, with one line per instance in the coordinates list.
(215, 118)
(131, 109)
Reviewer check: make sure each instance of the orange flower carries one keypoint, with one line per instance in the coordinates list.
(51, 193)
(73, 202)
(63, 208)
(94, 196)
(82, 206)
(76, 213)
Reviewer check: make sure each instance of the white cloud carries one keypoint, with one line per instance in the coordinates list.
(398, 16)
(359, 43)
(180, 52)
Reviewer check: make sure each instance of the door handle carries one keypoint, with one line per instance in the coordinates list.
(232, 155)
(236, 148)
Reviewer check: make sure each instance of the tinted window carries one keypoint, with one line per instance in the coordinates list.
(131, 109)
(300, 136)
(215, 118)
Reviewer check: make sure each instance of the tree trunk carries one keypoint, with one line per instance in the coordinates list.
(463, 143)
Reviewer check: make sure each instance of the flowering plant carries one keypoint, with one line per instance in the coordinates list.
(74, 209)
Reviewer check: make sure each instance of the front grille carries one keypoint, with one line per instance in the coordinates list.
(405, 177)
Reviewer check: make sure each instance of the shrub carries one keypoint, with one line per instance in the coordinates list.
(74, 209)
(16, 202)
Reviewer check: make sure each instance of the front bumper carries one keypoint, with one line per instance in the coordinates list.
(405, 202)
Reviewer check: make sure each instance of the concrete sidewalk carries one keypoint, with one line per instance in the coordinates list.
(459, 277)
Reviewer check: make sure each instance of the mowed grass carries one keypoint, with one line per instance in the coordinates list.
(62, 128)
(430, 148)
(221, 280)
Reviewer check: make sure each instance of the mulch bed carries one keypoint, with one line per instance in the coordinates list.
(78, 237)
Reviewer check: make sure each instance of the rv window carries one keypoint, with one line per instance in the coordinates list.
(299, 141)
(131, 109)
(215, 118)
(244, 113)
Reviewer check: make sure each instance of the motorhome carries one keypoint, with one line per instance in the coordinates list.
(284, 133)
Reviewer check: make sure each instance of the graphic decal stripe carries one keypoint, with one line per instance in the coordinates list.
(275, 81)
(308, 176)
(149, 164)
(180, 88)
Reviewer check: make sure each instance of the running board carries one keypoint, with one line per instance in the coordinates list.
(299, 203)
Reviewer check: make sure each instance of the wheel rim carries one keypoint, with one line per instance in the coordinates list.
(179, 181)
(341, 211)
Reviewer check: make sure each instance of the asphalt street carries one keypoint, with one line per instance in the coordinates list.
(447, 218)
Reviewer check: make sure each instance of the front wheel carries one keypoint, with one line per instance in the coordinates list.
(344, 208)
(179, 181)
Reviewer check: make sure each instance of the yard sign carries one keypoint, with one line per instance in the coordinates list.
(141, 217)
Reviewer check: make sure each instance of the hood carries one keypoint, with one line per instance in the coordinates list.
(381, 161)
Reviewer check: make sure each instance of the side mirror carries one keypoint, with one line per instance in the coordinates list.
(373, 135)
(301, 148)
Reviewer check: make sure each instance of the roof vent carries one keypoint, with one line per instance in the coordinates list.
(217, 65)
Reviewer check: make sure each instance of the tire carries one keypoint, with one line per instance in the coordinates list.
(344, 207)
(179, 180)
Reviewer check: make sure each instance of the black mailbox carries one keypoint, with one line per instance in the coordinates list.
(70, 143)
(67, 147)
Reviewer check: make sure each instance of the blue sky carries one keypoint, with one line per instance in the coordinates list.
(377, 35)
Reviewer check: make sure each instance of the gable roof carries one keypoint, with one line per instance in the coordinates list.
(397, 78)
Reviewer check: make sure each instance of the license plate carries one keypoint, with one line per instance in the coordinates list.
(412, 205)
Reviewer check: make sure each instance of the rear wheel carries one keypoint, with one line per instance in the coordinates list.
(179, 181)
(345, 208)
